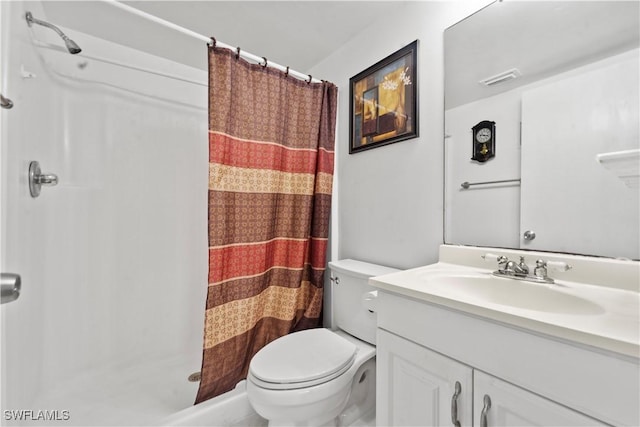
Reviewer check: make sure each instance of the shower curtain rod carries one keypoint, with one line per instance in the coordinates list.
(208, 40)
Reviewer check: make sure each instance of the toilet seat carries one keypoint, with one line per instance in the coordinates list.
(302, 359)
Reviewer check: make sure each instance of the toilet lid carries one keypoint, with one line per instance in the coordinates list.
(302, 359)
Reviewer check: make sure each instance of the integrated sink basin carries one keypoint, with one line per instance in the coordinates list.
(487, 288)
(595, 301)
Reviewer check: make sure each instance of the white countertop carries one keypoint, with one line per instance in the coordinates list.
(605, 317)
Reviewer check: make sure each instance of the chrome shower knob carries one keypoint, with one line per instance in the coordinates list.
(37, 179)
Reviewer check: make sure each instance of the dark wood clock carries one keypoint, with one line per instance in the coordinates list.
(484, 141)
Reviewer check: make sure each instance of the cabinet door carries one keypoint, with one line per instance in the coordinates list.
(512, 406)
(416, 386)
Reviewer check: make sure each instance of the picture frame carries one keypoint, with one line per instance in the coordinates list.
(383, 101)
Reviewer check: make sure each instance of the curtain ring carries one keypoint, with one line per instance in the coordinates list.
(238, 52)
(213, 42)
(286, 73)
(265, 62)
(309, 81)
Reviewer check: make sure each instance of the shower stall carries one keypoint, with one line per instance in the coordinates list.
(108, 325)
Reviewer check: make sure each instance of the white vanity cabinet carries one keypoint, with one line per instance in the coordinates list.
(498, 403)
(419, 387)
(423, 349)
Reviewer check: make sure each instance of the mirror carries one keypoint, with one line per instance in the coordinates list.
(560, 82)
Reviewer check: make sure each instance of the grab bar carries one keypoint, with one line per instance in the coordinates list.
(467, 184)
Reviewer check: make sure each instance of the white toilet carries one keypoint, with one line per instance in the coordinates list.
(320, 377)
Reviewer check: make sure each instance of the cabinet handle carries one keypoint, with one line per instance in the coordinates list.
(483, 414)
(454, 404)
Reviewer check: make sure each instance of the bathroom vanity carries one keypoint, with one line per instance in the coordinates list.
(458, 345)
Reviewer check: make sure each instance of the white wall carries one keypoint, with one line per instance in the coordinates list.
(389, 204)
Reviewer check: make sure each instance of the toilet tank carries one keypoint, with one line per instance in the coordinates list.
(350, 284)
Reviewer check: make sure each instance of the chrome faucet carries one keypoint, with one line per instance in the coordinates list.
(512, 268)
(520, 270)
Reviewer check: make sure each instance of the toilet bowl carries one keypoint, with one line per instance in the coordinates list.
(320, 377)
(314, 397)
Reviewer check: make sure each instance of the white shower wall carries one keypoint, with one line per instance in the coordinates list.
(114, 258)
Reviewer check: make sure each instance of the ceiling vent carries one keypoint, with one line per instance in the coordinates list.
(502, 77)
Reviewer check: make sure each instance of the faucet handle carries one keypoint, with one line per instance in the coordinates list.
(500, 259)
(559, 266)
(541, 269)
(490, 257)
(503, 261)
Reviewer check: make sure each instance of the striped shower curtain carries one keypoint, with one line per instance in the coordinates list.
(271, 142)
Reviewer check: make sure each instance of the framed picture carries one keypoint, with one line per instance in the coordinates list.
(384, 102)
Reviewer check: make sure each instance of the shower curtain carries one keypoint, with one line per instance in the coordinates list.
(271, 142)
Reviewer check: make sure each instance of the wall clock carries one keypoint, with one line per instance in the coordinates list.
(484, 141)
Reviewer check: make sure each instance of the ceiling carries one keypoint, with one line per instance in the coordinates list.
(295, 33)
(539, 38)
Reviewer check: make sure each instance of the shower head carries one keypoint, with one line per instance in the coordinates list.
(72, 47)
